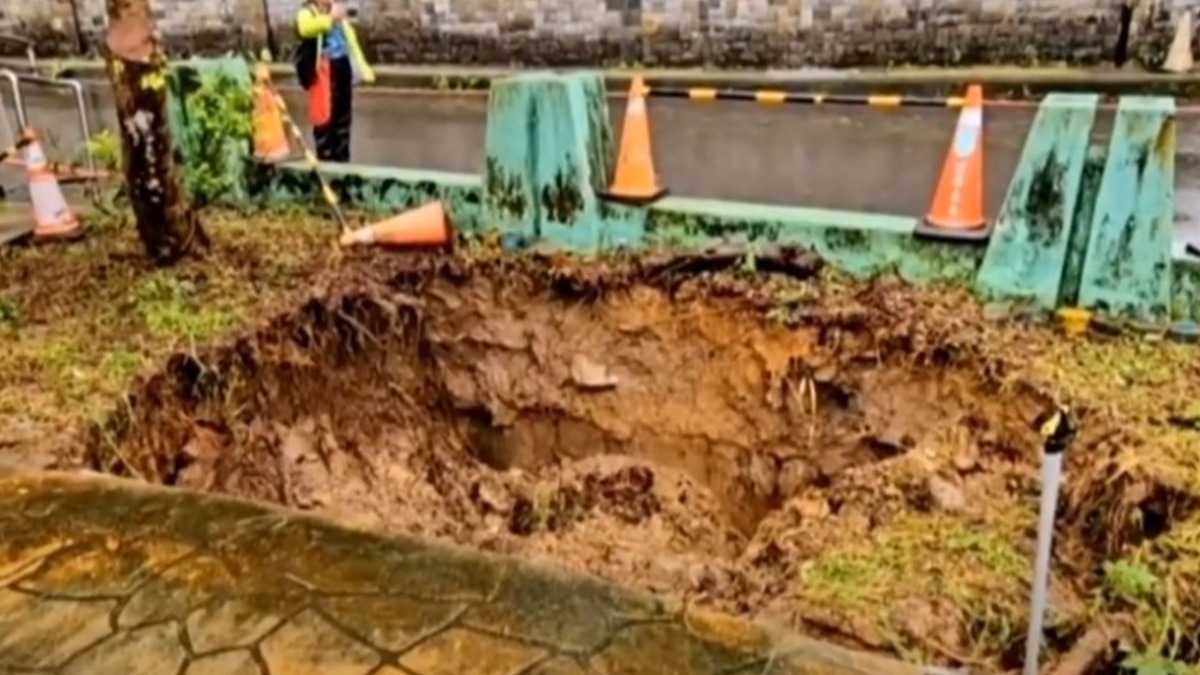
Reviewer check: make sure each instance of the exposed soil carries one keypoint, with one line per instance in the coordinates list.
(797, 451)
(391, 393)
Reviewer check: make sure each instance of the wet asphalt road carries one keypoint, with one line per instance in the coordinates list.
(832, 157)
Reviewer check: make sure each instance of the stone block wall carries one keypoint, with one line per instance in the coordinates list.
(724, 33)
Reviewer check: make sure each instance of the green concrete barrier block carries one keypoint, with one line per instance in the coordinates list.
(375, 189)
(1081, 229)
(1185, 285)
(620, 225)
(1127, 272)
(861, 244)
(549, 148)
(509, 199)
(562, 180)
(1031, 243)
(601, 149)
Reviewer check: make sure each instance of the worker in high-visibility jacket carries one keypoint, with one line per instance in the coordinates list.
(329, 62)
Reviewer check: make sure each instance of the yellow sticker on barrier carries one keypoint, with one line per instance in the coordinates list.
(702, 94)
(770, 96)
(885, 101)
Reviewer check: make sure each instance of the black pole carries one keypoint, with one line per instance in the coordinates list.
(1121, 52)
(80, 40)
(272, 45)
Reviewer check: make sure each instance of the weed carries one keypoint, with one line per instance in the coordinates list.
(75, 337)
(105, 149)
(974, 577)
(1129, 581)
(1155, 664)
(220, 127)
(10, 315)
(217, 131)
(170, 308)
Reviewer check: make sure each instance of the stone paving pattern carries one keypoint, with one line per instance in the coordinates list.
(103, 576)
(664, 33)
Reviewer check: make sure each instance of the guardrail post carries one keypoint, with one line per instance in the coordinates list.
(548, 147)
(509, 200)
(1127, 270)
(85, 127)
(1032, 238)
(18, 102)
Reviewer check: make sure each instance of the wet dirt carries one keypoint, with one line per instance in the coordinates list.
(701, 437)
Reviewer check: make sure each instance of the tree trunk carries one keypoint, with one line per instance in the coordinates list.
(137, 67)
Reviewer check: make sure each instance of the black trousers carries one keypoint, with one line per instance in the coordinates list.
(333, 137)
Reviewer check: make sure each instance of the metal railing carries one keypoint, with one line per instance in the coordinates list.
(28, 44)
(779, 96)
(14, 87)
(76, 88)
(805, 98)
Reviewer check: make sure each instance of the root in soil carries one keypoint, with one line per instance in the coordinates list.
(854, 461)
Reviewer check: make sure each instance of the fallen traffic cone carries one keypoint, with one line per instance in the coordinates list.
(635, 181)
(270, 138)
(423, 226)
(1179, 56)
(53, 218)
(957, 211)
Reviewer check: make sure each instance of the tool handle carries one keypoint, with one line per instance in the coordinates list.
(314, 164)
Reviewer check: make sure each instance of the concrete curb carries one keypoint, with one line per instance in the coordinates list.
(1002, 81)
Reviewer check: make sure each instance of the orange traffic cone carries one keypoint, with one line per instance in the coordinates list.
(957, 210)
(53, 218)
(635, 181)
(270, 138)
(423, 226)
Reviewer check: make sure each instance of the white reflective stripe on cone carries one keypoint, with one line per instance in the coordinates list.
(50, 208)
(35, 158)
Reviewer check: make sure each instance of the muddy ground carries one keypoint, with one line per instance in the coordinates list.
(850, 460)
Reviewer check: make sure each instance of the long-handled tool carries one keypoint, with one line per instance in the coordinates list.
(310, 158)
(1057, 430)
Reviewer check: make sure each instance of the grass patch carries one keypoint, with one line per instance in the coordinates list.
(927, 583)
(1148, 391)
(79, 322)
(1158, 585)
(1128, 545)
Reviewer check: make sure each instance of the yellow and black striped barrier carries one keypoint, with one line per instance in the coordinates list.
(805, 98)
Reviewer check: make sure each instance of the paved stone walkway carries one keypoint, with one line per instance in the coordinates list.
(100, 576)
